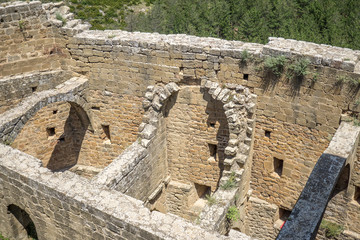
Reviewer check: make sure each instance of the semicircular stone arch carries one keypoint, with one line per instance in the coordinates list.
(12, 121)
(20, 223)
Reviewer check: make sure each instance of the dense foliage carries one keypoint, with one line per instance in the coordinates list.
(321, 21)
(104, 14)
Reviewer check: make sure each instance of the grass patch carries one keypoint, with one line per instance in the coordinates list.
(331, 229)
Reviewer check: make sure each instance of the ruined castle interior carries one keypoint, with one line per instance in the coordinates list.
(119, 135)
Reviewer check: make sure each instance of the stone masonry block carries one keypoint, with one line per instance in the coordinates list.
(223, 93)
(148, 132)
(172, 87)
(231, 151)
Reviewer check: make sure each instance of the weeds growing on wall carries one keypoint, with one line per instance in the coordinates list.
(211, 200)
(299, 68)
(230, 183)
(3, 238)
(275, 65)
(232, 214)
(244, 57)
(356, 121)
(22, 24)
(346, 79)
(331, 229)
(61, 18)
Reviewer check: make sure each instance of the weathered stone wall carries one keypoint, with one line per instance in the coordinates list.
(14, 89)
(90, 148)
(295, 119)
(121, 114)
(67, 206)
(57, 134)
(198, 133)
(27, 41)
(260, 218)
(151, 170)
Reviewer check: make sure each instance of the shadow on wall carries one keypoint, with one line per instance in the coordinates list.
(21, 224)
(216, 115)
(343, 181)
(68, 146)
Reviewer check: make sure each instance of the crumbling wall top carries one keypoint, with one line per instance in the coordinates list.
(319, 54)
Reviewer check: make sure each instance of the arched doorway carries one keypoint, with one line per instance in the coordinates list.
(22, 226)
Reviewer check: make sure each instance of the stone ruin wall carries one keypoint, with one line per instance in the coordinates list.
(53, 200)
(28, 42)
(300, 120)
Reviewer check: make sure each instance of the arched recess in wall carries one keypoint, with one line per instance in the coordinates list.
(197, 135)
(54, 135)
(21, 224)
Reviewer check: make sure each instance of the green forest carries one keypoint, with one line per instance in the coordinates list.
(322, 21)
(331, 22)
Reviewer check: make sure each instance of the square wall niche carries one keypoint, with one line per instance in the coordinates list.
(202, 190)
(50, 131)
(278, 166)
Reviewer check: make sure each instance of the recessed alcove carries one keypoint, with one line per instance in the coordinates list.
(50, 131)
(267, 133)
(278, 166)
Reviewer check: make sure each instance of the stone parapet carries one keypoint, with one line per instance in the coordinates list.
(319, 54)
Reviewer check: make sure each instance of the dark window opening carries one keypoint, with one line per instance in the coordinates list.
(55, 111)
(95, 108)
(33, 89)
(50, 131)
(61, 139)
(278, 166)
(267, 133)
(246, 76)
(106, 129)
(284, 214)
(212, 150)
(21, 222)
(202, 190)
(357, 194)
